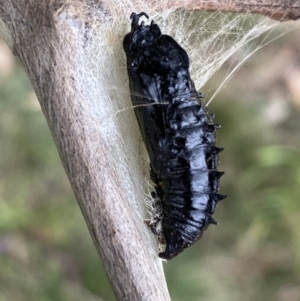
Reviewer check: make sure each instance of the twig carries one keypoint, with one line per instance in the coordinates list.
(46, 38)
(280, 10)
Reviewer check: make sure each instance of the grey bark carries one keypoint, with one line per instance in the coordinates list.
(281, 10)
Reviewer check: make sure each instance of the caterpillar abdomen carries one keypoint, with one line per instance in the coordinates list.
(178, 132)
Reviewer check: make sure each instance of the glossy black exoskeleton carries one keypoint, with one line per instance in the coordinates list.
(178, 132)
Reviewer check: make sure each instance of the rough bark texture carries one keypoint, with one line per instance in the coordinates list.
(40, 35)
(41, 40)
(281, 10)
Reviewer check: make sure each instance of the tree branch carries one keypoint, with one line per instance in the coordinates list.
(280, 10)
(47, 37)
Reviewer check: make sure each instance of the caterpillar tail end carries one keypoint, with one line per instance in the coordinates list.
(174, 245)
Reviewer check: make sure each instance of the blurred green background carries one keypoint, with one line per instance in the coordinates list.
(46, 252)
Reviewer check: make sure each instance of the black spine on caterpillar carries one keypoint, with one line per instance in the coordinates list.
(178, 132)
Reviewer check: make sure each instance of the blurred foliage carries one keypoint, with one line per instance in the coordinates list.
(46, 252)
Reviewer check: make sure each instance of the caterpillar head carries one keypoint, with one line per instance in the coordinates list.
(141, 36)
(150, 52)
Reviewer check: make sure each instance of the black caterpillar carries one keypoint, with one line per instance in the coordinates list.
(178, 132)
